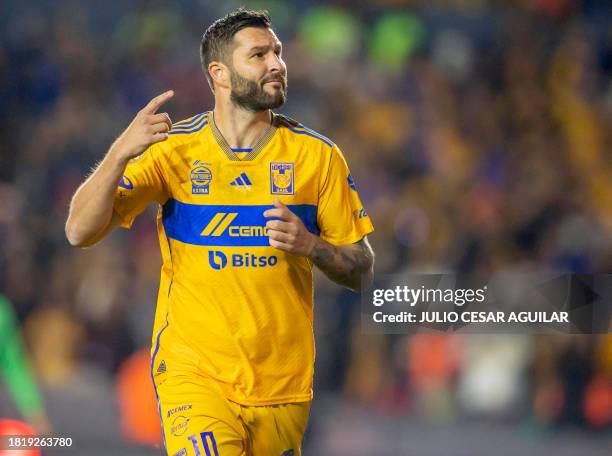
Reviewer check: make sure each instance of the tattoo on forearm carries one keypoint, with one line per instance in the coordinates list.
(345, 265)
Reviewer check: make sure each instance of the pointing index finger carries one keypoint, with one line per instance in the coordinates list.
(159, 100)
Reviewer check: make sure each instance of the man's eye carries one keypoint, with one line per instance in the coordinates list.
(259, 54)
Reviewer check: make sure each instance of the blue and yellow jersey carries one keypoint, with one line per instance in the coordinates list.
(231, 308)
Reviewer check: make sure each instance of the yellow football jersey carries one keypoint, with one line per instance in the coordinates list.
(232, 309)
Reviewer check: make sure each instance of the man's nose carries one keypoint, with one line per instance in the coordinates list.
(275, 64)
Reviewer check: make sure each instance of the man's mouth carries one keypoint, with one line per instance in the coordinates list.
(275, 81)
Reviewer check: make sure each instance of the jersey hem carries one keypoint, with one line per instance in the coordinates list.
(217, 387)
(275, 401)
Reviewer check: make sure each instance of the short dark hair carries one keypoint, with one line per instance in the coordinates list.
(221, 33)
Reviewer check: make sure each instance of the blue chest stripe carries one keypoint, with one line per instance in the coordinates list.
(226, 225)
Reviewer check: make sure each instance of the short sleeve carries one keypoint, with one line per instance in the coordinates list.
(143, 182)
(341, 216)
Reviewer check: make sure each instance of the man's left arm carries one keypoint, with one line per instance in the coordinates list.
(350, 265)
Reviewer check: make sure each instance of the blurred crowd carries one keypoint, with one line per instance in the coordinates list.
(479, 133)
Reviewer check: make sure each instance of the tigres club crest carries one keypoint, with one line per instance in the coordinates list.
(281, 178)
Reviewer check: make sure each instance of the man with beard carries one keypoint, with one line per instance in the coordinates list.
(248, 201)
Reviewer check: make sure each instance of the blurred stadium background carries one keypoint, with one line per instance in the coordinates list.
(479, 133)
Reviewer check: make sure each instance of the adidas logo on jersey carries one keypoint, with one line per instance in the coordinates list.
(162, 367)
(242, 182)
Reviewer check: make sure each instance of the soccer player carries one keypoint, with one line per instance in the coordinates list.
(249, 200)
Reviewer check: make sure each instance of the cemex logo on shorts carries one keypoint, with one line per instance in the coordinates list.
(180, 408)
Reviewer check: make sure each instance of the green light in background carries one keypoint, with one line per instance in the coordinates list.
(329, 32)
(394, 39)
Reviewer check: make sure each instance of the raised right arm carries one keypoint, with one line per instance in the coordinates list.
(91, 215)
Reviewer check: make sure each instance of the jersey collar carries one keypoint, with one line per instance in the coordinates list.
(257, 148)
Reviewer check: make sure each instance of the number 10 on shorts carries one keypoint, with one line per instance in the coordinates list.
(208, 440)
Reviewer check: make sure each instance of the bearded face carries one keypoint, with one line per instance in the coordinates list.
(253, 95)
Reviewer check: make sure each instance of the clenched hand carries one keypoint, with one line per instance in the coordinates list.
(288, 233)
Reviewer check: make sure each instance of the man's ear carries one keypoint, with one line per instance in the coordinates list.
(219, 73)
